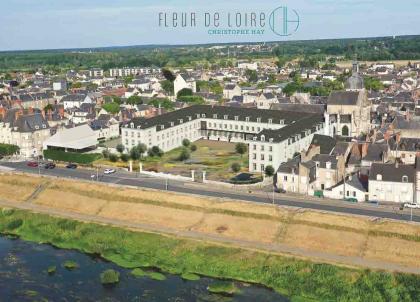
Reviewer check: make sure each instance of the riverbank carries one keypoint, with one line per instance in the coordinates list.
(299, 279)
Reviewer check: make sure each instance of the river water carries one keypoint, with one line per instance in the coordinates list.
(24, 277)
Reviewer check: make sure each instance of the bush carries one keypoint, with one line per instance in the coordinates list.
(110, 276)
(124, 157)
(186, 142)
(78, 158)
(190, 277)
(7, 149)
(157, 276)
(223, 288)
(120, 148)
(155, 151)
(113, 157)
(185, 154)
(236, 167)
(193, 148)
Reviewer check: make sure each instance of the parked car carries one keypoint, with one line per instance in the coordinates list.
(279, 190)
(71, 166)
(32, 164)
(412, 205)
(109, 171)
(49, 166)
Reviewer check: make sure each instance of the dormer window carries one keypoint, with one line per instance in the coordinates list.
(328, 165)
(44, 126)
(270, 121)
(162, 127)
(225, 117)
(198, 115)
(258, 120)
(236, 118)
(138, 127)
(203, 115)
(254, 138)
(281, 122)
(247, 119)
(181, 121)
(214, 115)
(172, 124)
(132, 125)
(262, 138)
(271, 140)
(405, 178)
(36, 127)
(378, 177)
(189, 118)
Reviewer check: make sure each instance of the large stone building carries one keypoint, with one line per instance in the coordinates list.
(348, 112)
(273, 136)
(26, 129)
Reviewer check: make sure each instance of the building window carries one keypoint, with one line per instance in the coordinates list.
(270, 148)
(262, 156)
(285, 178)
(255, 156)
(254, 166)
(405, 178)
(262, 148)
(378, 177)
(354, 193)
(270, 158)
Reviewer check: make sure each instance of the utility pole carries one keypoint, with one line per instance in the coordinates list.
(166, 184)
(97, 173)
(411, 214)
(273, 193)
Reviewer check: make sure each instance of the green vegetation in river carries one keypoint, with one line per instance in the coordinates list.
(292, 277)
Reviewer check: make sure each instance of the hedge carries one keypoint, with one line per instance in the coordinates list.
(6, 149)
(79, 158)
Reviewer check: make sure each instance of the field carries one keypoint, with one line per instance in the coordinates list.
(213, 157)
(317, 232)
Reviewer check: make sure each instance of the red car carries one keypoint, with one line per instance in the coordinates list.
(32, 164)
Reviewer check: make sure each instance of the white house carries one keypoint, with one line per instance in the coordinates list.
(392, 182)
(183, 81)
(231, 90)
(352, 188)
(75, 100)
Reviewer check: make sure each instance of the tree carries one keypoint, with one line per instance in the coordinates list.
(269, 171)
(155, 151)
(193, 148)
(168, 75)
(241, 148)
(186, 142)
(185, 154)
(113, 108)
(137, 151)
(184, 92)
(47, 108)
(167, 86)
(124, 157)
(113, 157)
(134, 100)
(120, 148)
(236, 167)
(251, 75)
(105, 153)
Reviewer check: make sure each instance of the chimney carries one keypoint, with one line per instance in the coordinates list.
(365, 148)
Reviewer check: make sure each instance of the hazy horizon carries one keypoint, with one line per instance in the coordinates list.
(81, 24)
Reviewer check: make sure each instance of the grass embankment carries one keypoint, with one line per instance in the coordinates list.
(292, 277)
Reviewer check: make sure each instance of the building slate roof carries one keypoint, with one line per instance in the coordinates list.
(322, 159)
(346, 98)
(325, 142)
(392, 173)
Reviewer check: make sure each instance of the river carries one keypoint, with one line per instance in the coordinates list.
(24, 277)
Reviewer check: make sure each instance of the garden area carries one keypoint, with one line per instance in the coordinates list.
(221, 160)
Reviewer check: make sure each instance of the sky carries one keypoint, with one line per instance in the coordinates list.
(57, 24)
